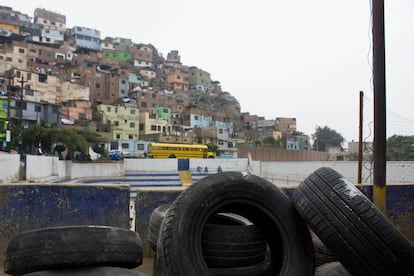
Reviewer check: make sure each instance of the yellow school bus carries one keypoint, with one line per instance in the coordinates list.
(164, 150)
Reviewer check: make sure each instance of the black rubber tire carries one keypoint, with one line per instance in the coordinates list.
(90, 271)
(260, 269)
(261, 202)
(228, 240)
(352, 228)
(154, 224)
(322, 254)
(72, 247)
(331, 269)
(232, 245)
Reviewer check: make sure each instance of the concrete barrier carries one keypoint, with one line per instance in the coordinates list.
(9, 169)
(146, 201)
(38, 166)
(400, 207)
(32, 206)
(92, 169)
(150, 165)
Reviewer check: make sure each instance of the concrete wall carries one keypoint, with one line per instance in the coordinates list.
(150, 165)
(38, 166)
(31, 206)
(90, 169)
(9, 167)
(146, 201)
(272, 154)
(280, 173)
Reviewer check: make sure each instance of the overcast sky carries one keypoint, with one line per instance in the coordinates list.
(303, 59)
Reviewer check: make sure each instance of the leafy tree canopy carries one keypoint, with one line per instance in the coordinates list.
(400, 148)
(270, 141)
(212, 147)
(325, 137)
(74, 140)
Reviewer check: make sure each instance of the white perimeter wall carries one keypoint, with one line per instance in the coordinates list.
(281, 173)
(9, 167)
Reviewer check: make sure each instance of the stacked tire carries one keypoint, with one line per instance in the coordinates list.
(232, 223)
(74, 250)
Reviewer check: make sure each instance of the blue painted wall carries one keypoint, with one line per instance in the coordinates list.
(25, 207)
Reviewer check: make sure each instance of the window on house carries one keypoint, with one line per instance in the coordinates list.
(116, 123)
(132, 125)
(28, 91)
(165, 110)
(144, 104)
(21, 51)
(133, 111)
(116, 109)
(153, 127)
(21, 105)
(29, 76)
(9, 59)
(97, 85)
(196, 117)
(42, 78)
(38, 108)
(82, 116)
(108, 108)
(118, 136)
(220, 131)
(130, 137)
(18, 74)
(55, 109)
(141, 127)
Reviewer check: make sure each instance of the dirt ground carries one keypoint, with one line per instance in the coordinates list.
(146, 267)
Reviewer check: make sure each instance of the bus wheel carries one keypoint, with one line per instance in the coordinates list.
(254, 198)
(172, 156)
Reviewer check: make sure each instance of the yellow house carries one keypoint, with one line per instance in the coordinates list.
(123, 120)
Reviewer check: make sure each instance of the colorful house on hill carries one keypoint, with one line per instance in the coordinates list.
(3, 121)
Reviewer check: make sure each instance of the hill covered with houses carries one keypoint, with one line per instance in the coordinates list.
(67, 76)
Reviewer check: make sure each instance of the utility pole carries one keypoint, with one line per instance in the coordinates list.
(380, 139)
(22, 81)
(8, 130)
(360, 142)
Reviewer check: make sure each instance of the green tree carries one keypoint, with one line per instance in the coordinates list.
(326, 137)
(270, 141)
(400, 148)
(212, 147)
(74, 140)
